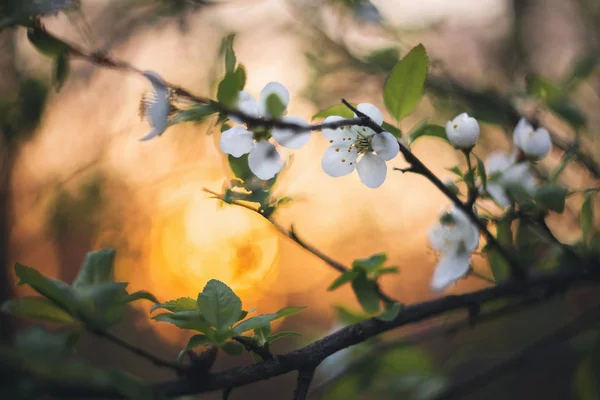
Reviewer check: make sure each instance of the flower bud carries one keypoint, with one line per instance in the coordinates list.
(462, 131)
(534, 144)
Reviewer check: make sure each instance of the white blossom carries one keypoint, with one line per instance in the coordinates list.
(463, 131)
(348, 143)
(505, 174)
(534, 144)
(263, 158)
(157, 106)
(455, 237)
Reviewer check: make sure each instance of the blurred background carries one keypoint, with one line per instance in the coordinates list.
(75, 178)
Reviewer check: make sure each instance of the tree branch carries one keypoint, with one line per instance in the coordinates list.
(303, 382)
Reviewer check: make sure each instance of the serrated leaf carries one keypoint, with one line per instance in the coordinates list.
(194, 114)
(339, 110)
(178, 305)
(404, 86)
(219, 304)
(423, 129)
(232, 348)
(586, 216)
(344, 278)
(370, 264)
(366, 293)
(61, 71)
(192, 320)
(58, 292)
(195, 341)
(230, 86)
(38, 308)
(552, 197)
(281, 335)
(264, 319)
(275, 105)
(97, 268)
(391, 312)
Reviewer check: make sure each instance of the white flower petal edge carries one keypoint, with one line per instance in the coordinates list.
(291, 138)
(264, 160)
(370, 111)
(456, 240)
(246, 104)
(269, 89)
(339, 160)
(236, 141)
(372, 170)
(157, 110)
(385, 145)
(463, 131)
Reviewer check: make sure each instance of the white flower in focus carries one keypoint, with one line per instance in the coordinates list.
(348, 143)
(156, 108)
(455, 237)
(264, 159)
(533, 143)
(505, 174)
(463, 131)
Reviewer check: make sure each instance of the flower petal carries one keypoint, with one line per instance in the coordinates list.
(264, 160)
(269, 89)
(236, 141)
(246, 104)
(497, 162)
(438, 238)
(538, 144)
(371, 111)
(521, 132)
(339, 160)
(385, 145)
(450, 268)
(372, 170)
(498, 194)
(158, 107)
(291, 138)
(463, 131)
(332, 134)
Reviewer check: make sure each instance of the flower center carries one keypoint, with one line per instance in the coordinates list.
(363, 141)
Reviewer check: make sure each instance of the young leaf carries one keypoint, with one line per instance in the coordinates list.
(38, 308)
(197, 113)
(141, 295)
(232, 348)
(371, 263)
(342, 279)
(97, 268)
(586, 216)
(61, 70)
(193, 320)
(227, 50)
(348, 317)
(481, 172)
(58, 292)
(339, 110)
(230, 86)
(366, 293)
(46, 43)
(240, 167)
(404, 86)
(392, 129)
(281, 335)
(424, 129)
(178, 305)
(552, 197)
(275, 106)
(498, 264)
(219, 304)
(391, 312)
(264, 319)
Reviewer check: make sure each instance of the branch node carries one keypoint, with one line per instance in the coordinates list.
(305, 377)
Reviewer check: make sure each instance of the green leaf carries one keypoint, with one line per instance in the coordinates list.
(387, 270)
(456, 171)
(384, 59)
(219, 304)
(193, 320)
(481, 172)
(391, 312)
(281, 335)
(195, 341)
(197, 113)
(61, 71)
(407, 360)
(542, 88)
(36, 308)
(392, 129)
(366, 293)
(46, 43)
(232, 348)
(586, 216)
(141, 295)
(552, 197)
(342, 279)
(240, 167)
(339, 110)
(58, 292)
(582, 69)
(404, 86)
(97, 268)
(227, 50)
(264, 319)
(348, 317)
(275, 105)
(372, 263)
(178, 305)
(423, 129)
(230, 86)
(498, 264)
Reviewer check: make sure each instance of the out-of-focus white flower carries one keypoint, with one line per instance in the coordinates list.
(533, 143)
(455, 237)
(348, 143)
(463, 131)
(264, 160)
(156, 107)
(506, 174)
